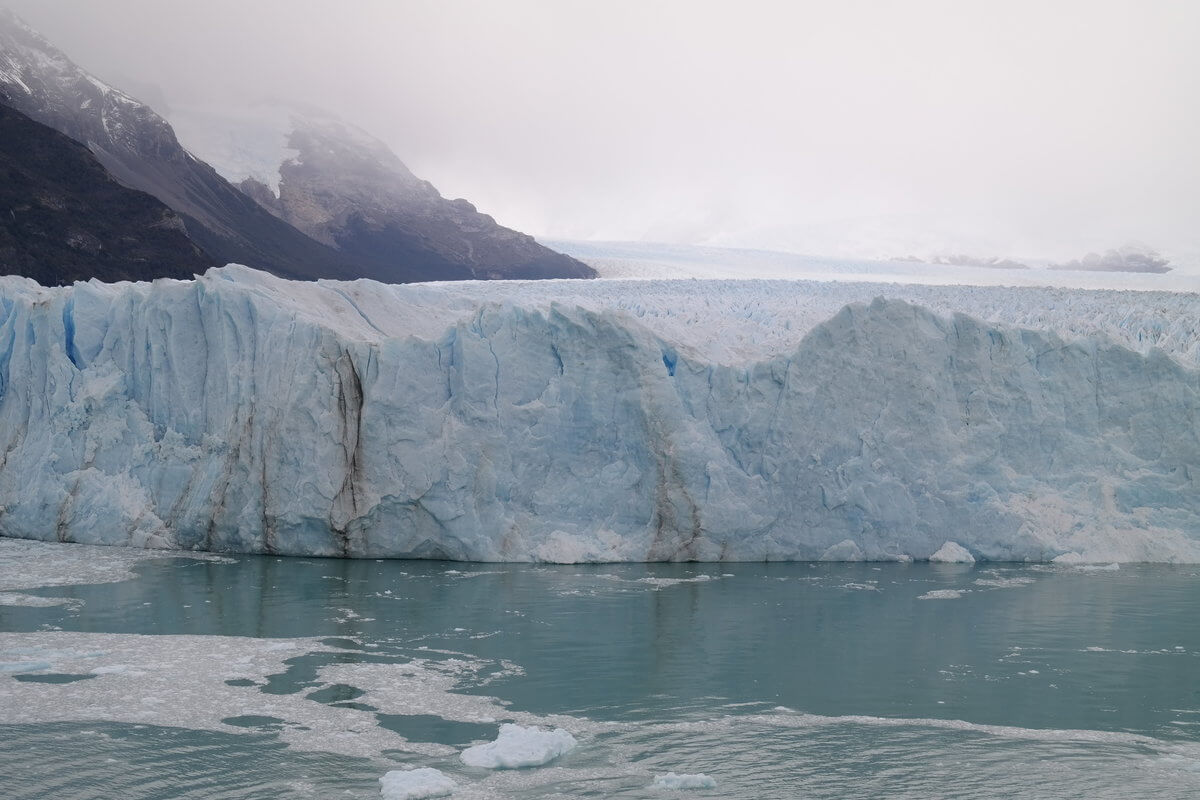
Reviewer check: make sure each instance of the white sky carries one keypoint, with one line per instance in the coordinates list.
(1032, 129)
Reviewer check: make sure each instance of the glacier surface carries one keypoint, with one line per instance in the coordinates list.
(601, 421)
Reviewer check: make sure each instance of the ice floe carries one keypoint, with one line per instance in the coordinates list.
(519, 746)
(27, 564)
(415, 784)
(942, 594)
(684, 781)
(203, 681)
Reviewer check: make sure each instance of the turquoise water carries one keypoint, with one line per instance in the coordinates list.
(777, 680)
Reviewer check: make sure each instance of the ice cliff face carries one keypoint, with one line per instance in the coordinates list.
(242, 412)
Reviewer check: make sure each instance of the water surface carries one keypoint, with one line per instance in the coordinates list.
(264, 677)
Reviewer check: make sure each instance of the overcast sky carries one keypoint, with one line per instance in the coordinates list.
(1006, 127)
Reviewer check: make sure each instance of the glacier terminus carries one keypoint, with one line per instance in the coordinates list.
(601, 421)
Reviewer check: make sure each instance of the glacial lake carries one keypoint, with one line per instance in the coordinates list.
(261, 677)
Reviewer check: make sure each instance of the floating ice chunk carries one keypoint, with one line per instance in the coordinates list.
(517, 746)
(30, 565)
(952, 553)
(845, 550)
(1003, 583)
(685, 781)
(34, 601)
(1177, 762)
(660, 583)
(941, 594)
(1086, 562)
(413, 784)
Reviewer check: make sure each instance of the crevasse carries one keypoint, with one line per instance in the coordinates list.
(240, 412)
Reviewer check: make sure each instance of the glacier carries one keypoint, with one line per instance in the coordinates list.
(601, 421)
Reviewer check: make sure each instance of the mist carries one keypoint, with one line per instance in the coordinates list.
(857, 128)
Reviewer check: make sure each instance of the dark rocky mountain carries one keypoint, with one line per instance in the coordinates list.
(141, 151)
(346, 189)
(64, 218)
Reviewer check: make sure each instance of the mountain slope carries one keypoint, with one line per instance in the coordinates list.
(348, 190)
(386, 240)
(69, 220)
(140, 149)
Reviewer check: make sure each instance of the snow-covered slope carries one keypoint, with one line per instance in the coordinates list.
(240, 143)
(609, 420)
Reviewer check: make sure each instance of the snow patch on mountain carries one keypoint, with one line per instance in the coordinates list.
(239, 143)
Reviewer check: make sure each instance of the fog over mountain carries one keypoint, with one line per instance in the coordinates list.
(1018, 130)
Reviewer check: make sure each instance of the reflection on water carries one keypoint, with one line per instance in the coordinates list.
(776, 679)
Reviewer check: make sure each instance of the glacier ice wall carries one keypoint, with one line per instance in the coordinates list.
(240, 412)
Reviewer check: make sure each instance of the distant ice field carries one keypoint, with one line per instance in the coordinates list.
(642, 260)
(802, 291)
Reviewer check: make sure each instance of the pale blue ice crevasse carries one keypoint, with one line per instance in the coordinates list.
(240, 412)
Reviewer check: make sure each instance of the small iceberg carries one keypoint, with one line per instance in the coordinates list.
(1098, 567)
(845, 550)
(517, 746)
(952, 553)
(941, 594)
(415, 784)
(35, 601)
(673, 781)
